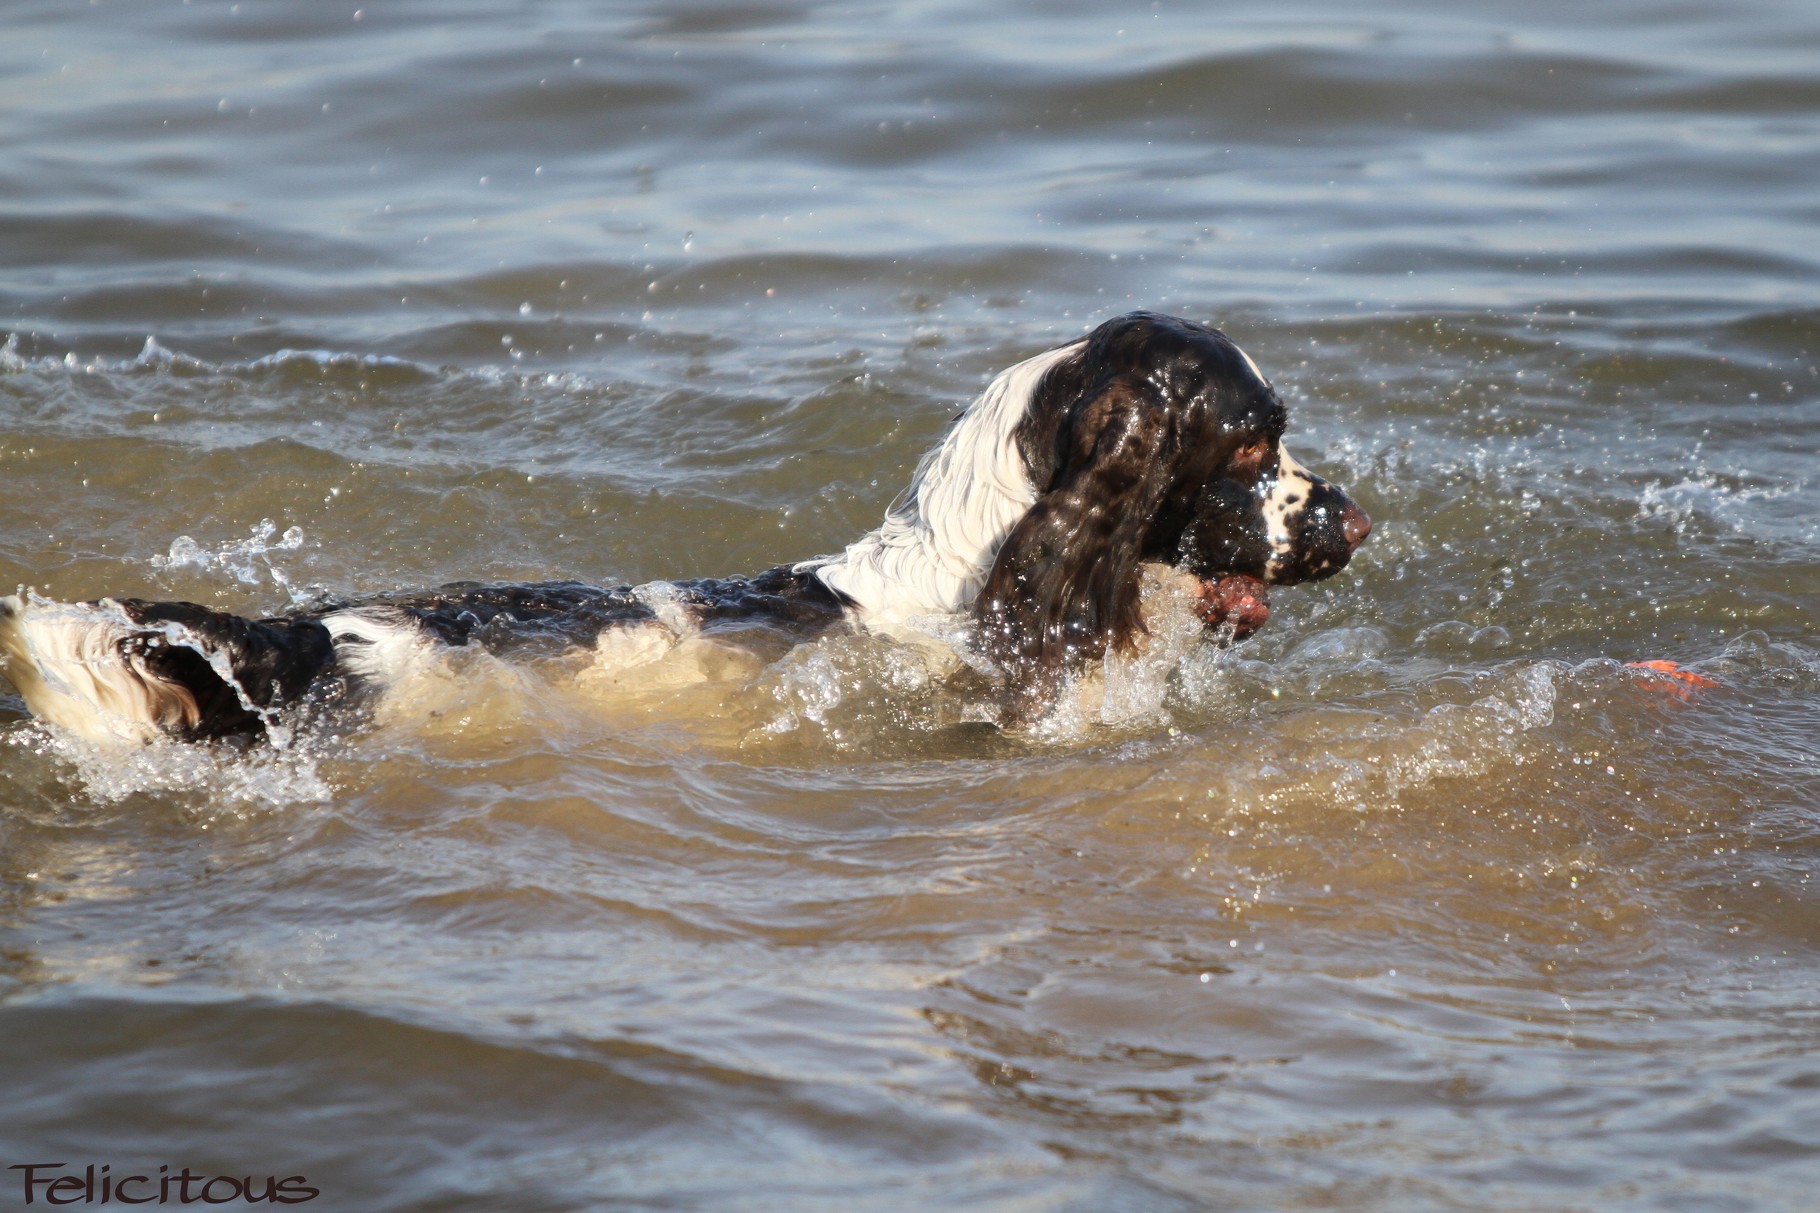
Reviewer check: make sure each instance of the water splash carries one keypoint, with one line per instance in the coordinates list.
(151, 356)
(1722, 499)
(1137, 690)
(848, 687)
(851, 688)
(248, 561)
(225, 777)
(157, 356)
(1369, 761)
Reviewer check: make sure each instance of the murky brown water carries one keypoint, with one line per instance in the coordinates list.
(1419, 900)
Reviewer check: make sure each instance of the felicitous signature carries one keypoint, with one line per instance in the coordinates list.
(56, 1184)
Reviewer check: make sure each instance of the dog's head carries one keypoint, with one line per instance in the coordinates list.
(1157, 439)
(1259, 517)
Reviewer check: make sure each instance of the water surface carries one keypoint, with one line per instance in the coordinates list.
(1421, 899)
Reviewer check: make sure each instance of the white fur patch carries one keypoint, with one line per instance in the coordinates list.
(1252, 365)
(69, 663)
(410, 674)
(1284, 506)
(376, 644)
(937, 543)
(408, 667)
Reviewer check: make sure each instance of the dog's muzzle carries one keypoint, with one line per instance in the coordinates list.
(1313, 527)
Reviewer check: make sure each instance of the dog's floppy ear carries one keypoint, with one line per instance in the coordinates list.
(1064, 585)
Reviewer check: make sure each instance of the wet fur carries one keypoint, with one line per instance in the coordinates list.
(1151, 439)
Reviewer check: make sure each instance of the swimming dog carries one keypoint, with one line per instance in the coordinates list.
(1150, 440)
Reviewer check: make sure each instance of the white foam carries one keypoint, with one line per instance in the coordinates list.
(1721, 500)
(156, 356)
(229, 778)
(328, 358)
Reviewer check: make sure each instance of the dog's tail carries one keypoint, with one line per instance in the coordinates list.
(122, 669)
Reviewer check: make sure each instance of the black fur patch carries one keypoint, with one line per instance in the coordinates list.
(273, 661)
(513, 616)
(561, 614)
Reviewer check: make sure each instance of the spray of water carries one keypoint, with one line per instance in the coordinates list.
(248, 561)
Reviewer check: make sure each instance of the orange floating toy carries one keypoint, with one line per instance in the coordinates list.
(1673, 675)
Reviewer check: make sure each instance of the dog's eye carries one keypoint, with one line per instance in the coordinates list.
(1248, 461)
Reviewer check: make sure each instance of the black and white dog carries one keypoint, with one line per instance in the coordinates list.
(1151, 439)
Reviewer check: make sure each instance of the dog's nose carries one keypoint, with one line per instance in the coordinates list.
(1354, 524)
